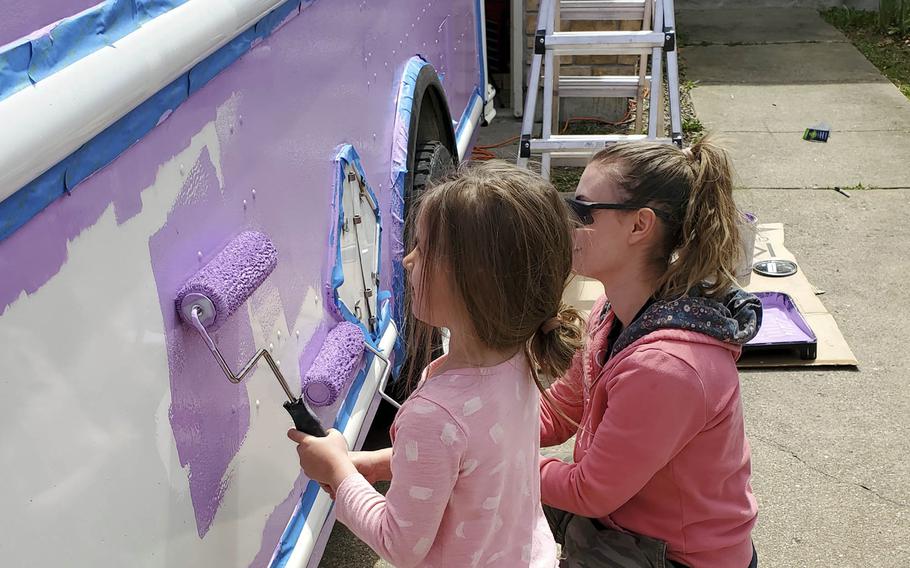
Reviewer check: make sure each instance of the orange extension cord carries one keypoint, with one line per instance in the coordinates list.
(484, 152)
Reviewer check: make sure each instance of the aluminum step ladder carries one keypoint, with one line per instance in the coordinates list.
(549, 44)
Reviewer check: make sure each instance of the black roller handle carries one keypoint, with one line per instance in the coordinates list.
(304, 419)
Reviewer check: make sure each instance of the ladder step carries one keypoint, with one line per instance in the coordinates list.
(621, 86)
(602, 9)
(580, 158)
(584, 142)
(603, 43)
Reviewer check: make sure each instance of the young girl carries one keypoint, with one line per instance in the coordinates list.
(662, 464)
(491, 257)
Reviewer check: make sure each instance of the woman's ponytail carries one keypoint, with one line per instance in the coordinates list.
(708, 250)
(692, 189)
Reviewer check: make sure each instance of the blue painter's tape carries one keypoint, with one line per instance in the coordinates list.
(337, 269)
(399, 176)
(148, 9)
(105, 147)
(480, 51)
(295, 526)
(385, 312)
(399, 284)
(21, 206)
(14, 63)
(275, 19)
(345, 156)
(476, 98)
(75, 38)
(221, 59)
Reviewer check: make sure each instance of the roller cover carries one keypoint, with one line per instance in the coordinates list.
(335, 364)
(232, 276)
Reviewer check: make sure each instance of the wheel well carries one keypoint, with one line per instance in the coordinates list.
(430, 117)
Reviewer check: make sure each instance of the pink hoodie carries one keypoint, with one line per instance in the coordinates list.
(662, 450)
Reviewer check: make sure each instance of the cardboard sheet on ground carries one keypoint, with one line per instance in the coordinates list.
(832, 347)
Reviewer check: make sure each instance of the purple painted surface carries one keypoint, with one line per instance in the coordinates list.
(341, 355)
(209, 415)
(353, 100)
(22, 17)
(329, 76)
(782, 323)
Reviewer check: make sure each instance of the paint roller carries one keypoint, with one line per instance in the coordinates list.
(337, 362)
(213, 293)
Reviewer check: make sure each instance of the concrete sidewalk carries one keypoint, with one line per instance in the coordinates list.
(829, 446)
(766, 74)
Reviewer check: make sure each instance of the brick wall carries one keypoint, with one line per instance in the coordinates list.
(585, 65)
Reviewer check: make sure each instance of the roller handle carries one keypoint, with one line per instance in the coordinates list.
(304, 420)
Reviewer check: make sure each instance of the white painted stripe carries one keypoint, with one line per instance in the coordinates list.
(46, 122)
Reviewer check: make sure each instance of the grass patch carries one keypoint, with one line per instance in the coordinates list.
(691, 125)
(565, 179)
(887, 49)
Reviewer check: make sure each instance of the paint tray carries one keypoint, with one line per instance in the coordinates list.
(782, 328)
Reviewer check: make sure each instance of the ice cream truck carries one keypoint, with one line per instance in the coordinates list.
(195, 195)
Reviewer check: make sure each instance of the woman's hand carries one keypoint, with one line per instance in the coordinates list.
(324, 460)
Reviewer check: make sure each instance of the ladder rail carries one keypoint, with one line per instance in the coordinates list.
(656, 37)
(673, 75)
(642, 70)
(527, 119)
(548, 76)
(656, 106)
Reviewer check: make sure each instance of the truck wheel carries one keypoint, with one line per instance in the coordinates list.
(432, 163)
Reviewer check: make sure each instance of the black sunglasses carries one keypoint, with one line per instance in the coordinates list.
(584, 210)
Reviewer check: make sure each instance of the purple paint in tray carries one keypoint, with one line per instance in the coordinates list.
(783, 326)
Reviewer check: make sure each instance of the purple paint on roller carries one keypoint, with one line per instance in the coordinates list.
(341, 355)
(230, 278)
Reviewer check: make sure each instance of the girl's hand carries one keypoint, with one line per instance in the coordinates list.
(324, 460)
(374, 466)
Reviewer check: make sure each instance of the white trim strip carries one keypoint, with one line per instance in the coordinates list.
(45, 123)
(319, 512)
(466, 131)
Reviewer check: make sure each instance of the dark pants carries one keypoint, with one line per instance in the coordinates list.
(586, 543)
(752, 564)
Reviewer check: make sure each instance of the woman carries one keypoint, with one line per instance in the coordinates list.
(662, 465)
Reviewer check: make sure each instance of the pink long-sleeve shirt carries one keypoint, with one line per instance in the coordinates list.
(465, 485)
(662, 450)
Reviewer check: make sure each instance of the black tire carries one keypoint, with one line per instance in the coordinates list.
(430, 121)
(432, 163)
(431, 156)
